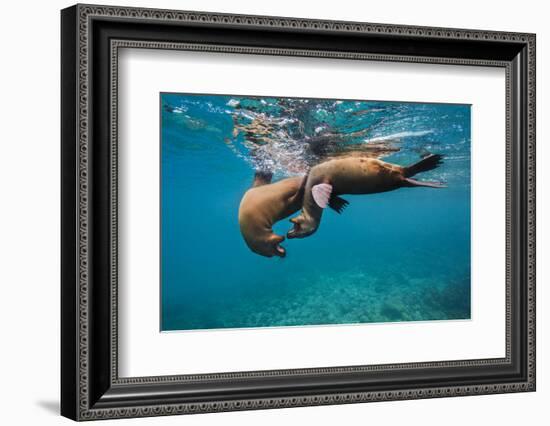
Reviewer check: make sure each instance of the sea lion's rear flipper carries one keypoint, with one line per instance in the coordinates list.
(427, 163)
(262, 178)
(337, 204)
(414, 182)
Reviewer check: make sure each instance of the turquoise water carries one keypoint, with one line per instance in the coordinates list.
(402, 255)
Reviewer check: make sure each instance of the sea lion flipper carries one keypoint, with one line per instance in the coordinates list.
(414, 182)
(337, 204)
(321, 194)
(428, 162)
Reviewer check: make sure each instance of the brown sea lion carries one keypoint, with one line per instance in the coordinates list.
(353, 175)
(265, 204)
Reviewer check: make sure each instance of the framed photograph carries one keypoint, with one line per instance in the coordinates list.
(263, 212)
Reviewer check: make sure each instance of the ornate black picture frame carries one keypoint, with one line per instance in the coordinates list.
(91, 387)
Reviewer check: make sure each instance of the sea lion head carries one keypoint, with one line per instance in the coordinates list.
(303, 226)
(271, 246)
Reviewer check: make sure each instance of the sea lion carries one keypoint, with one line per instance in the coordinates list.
(265, 204)
(353, 174)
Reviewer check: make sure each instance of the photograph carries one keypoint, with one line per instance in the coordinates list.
(245, 238)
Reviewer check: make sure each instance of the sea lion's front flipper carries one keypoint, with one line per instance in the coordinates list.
(414, 182)
(337, 204)
(321, 194)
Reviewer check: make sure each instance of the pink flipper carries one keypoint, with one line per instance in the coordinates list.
(321, 194)
(414, 182)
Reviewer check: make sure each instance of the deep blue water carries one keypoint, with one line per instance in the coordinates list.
(403, 255)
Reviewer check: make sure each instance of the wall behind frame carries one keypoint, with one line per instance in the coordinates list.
(29, 217)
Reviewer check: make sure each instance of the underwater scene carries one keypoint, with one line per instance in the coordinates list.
(299, 212)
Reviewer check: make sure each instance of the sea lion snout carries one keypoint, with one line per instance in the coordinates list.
(275, 248)
(280, 251)
(268, 246)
